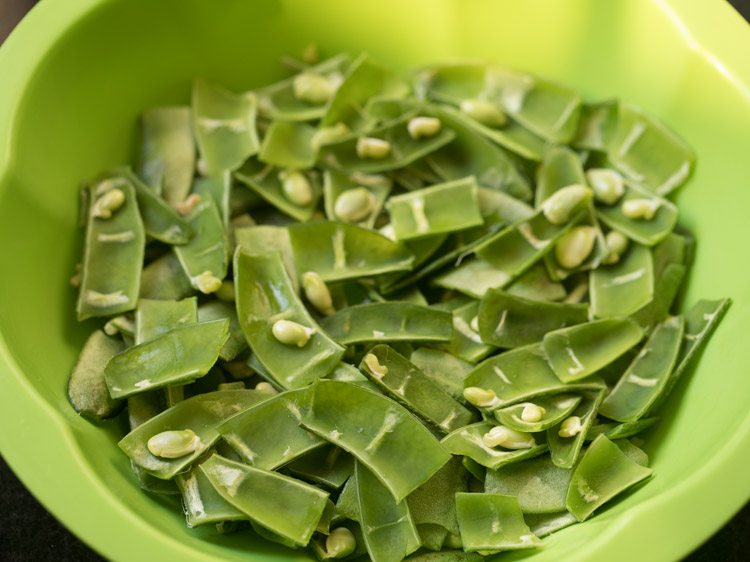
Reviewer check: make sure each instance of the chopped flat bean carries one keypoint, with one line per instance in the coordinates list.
(261, 239)
(201, 502)
(218, 188)
(564, 450)
(160, 221)
(467, 441)
(596, 126)
(288, 144)
(164, 279)
(544, 524)
(623, 288)
(217, 310)
(554, 410)
(154, 318)
(327, 466)
(492, 522)
(560, 168)
(434, 502)
(620, 430)
(336, 184)
(444, 369)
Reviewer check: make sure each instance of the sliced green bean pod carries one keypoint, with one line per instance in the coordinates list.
(380, 433)
(434, 502)
(224, 125)
(218, 188)
(431, 537)
(201, 502)
(178, 356)
(164, 279)
(388, 321)
(544, 524)
(509, 209)
(444, 369)
(604, 472)
(362, 207)
(565, 450)
(327, 466)
(347, 504)
(338, 251)
(87, 389)
(466, 343)
(507, 320)
(265, 497)
(265, 238)
(623, 288)
(113, 251)
(596, 126)
(288, 144)
(467, 441)
(265, 296)
(405, 383)
(154, 318)
(614, 430)
(646, 377)
(491, 522)
(536, 285)
(666, 287)
(167, 157)
(560, 168)
(513, 137)
(200, 414)
(576, 352)
(218, 310)
(473, 277)
(388, 528)
(538, 415)
(648, 152)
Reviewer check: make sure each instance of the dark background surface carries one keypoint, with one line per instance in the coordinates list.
(28, 533)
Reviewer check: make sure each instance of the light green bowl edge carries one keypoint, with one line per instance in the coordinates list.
(91, 512)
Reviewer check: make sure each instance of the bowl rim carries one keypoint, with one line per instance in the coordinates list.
(47, 473)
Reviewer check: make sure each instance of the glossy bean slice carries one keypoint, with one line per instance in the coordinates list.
(337, 183)
(380, 433)
(388, 321)
(473, 277)
(537, 285)
(164, 279)
(349, 373)
(444, 369)
(167, 156)
(154, 318)
(595, 257)
(491, 522)
(206, 254)
(513, 137)
(265, 497)
(508, 321)
(431, 537)
(564, 451)
(265, 295)
(87, 389)
(544, 524)
(442, 208)
(218, 188)
(201, 414)
(218, 310)
(288, 144)
(404, 382)
(508, 208)
(388, 528)
(466, 343)
(112, 254)
(224, 125)
(556, 409)
(347, 504)
(646, 377)
(467, 441)
(576, 352)
(623, 288)
(201, 502)
(560, 168)
(434, 502)
(327, 466)
(604, 472)
(646, 151)
(614, 430)
(522, 374)
(647, 232)
(596, 126)
(666, 287)
(265, 238)
(248, 432)
(160, 221)
(337, 251)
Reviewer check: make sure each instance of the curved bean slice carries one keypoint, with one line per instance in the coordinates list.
(405, 383)
(431, 537)
(347, 504)
(178, 356)
(647, 376)
(167, 157)
(522, 374)
(623, 288)
(327, 466)
(87, 390)
(265, 238)
(560, 168)
(154, 318)
(466, 343)
(620, 430)
(647, 232)
(349, 373)
(442, 208)
(288, 144)
(224, 125)
(265, 497)
(492, 522)
(536, 285)
(434, 501)
(380, 433)
(338, 251)
(666, 287)
(604, 472)
(564, 450)
(265, 295)
(335, 183)
(474, 277)
(648, 152)
(201, 414)
(218, 310)
(445, 370)
(556, 409)
(218, 188)
(112, 254)
(506, 320)
(388, 528)
(201, 502)
(208, 250)
(576, 352)
(164, 279)
(596, 256)
(388, 321)
(509, 209)
(467, 441)
(544, 524)
(596, 126)
(268, 435)
(513, 137)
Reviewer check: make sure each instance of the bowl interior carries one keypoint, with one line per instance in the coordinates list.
(79, 116)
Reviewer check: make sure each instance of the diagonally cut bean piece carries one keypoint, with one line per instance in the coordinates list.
(327, 466)
(564, 450)
(623, 288)
(434, 502)
(560, 168)
(159, 220)
(265, 296)
(647, 376)
(218, 188)
(404, 382)
(343, 251)
(444, 369)
(467, 441)
(164, 279)
(666, 287)
(506, 320)
(265, 238)
(466, 342)
(388, 528)
(288, 144)
(354, 207)
(154, 318)
(224, 125)
(265, 497)
(596, 126)
(388, 321)
(178, 356)
(554, 409)
(604, 472)
(218, 310)
(544, 524)
(576, 352)
(201, 502)
(614, 430)
(380, 433)
(113, 251)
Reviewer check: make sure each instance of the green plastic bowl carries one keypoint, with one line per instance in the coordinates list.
(76, 75)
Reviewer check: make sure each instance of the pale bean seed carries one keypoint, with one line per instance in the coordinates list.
(340, 543)
(186, 207)
(371, 147)
(313, 88)
(317, 292)
(501, 436)
(207, 282)
(296, 187)
(108, 203)
(575, 246)
(328, 135)
(421, 127)
(617, 243)
(291, 333)
(640, 209)
(532, 413)
(559, 206)
(173, 444)
(265, 388)
(485, 112)
(571, 427)
(354, 205)
(484, 398)
(374, 366)
(607, 184)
